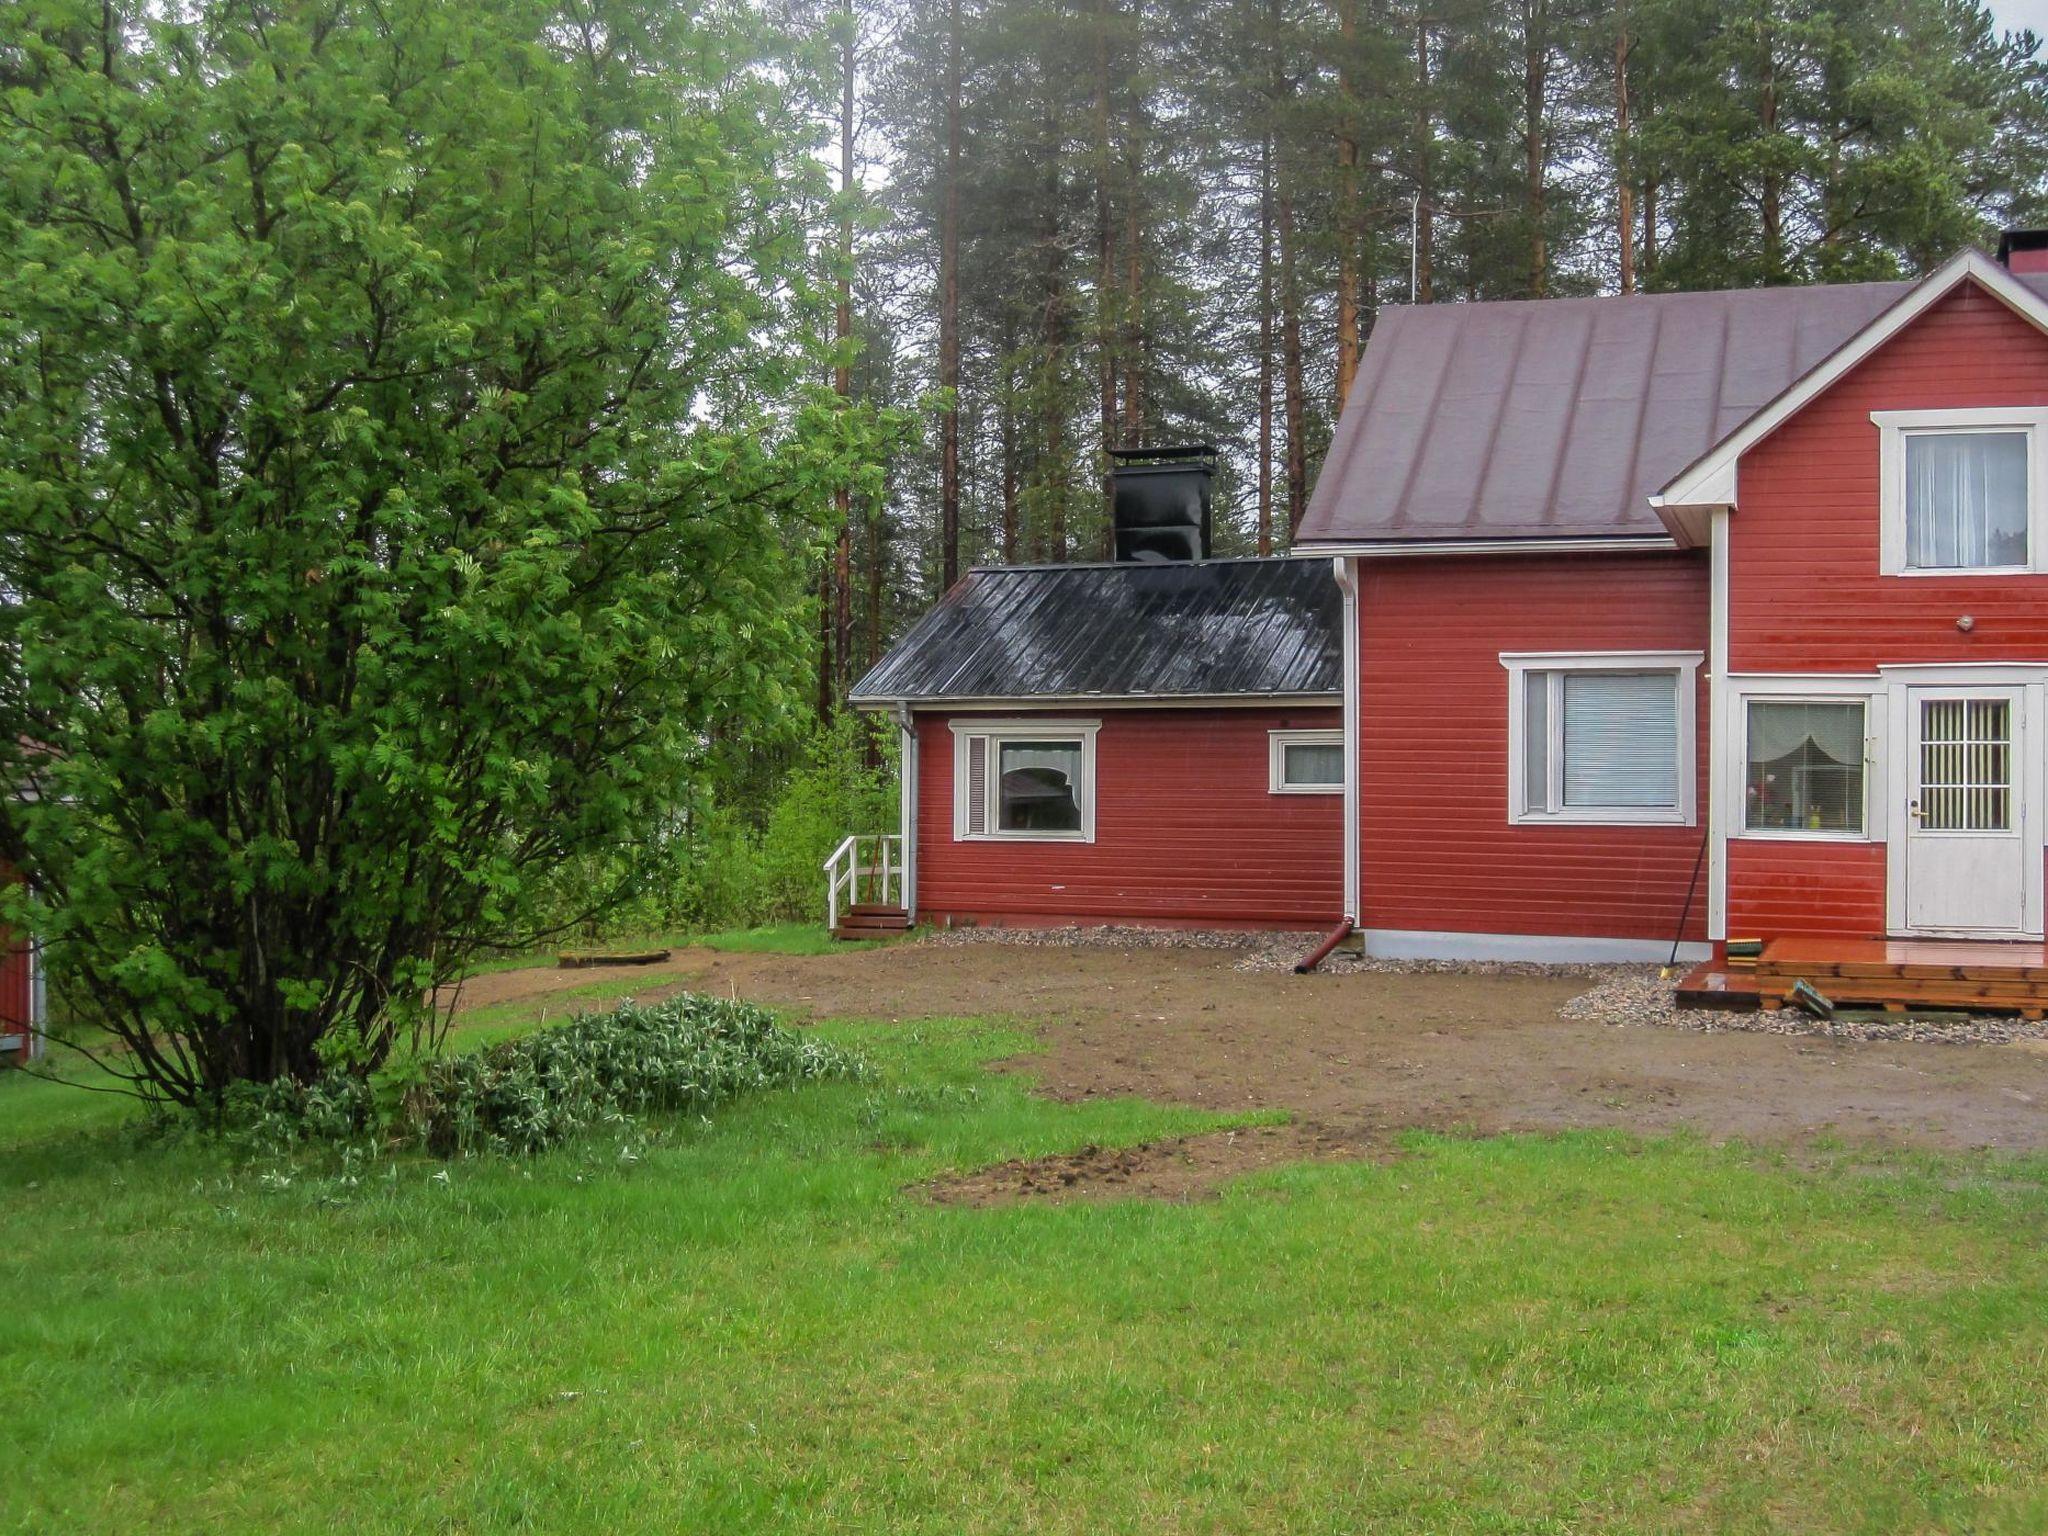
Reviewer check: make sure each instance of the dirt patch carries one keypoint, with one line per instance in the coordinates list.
(1386, 1050)
(1182, 1169)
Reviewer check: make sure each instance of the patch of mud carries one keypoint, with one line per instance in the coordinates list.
(1182, 1169)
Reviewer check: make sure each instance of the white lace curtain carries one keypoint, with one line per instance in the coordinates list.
(1778, 730)
(1966, 499)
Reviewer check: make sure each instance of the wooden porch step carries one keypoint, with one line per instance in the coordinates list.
(870, 920)
(1898, 974)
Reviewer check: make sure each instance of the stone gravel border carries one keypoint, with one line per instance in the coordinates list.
(1637, 996)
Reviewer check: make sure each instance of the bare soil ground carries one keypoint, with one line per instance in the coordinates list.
(1358, 1056)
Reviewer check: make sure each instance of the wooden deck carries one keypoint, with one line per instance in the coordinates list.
(1893, 974)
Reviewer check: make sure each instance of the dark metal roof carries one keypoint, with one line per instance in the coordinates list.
(1559, 418)
(1212, 628)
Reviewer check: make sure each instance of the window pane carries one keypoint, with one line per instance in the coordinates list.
(1805, 767)
(1620, 739)
(1536, 741)
(1310, 763)
(1041, 786)
(1966, 499)
(1965, 765)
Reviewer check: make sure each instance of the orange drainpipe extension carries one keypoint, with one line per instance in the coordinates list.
(1321, 952)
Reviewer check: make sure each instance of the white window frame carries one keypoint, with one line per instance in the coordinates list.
(1893, 429)
(996, 732)
(1277, 744)
(1684, 667)
(1806, 690)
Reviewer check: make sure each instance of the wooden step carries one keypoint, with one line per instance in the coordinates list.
(1903, 973)
(870, 920)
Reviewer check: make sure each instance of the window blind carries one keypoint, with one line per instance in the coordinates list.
(1620, 739)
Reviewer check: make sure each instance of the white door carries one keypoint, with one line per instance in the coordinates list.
(1966, 863)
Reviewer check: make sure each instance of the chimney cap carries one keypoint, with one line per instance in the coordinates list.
(2010, 240)
(1183, 451)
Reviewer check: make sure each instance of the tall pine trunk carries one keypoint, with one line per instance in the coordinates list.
(1624, 185)
(1266, 343)
(1292, 388)
(1424, 254)
(949, 314)
(1535, 92)
(1105, 279)
(1349, 239)
(842, 331)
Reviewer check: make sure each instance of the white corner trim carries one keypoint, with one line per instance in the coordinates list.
(1277, 743)
(1710, 479)
(1542, 949)
(1717, 725)
(1029, 729)
(1684, 667)
(907, 787)
(1346, 568)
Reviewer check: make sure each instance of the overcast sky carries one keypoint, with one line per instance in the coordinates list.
(2014, 14)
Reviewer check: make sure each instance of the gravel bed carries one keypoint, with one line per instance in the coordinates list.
(1638, 996)
(1273, 952)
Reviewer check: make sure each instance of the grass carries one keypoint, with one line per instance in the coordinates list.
(752, 1325)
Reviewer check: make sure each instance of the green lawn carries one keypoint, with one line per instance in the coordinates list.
(750, 1326)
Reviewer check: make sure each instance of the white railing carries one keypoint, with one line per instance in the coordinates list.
(870, 881)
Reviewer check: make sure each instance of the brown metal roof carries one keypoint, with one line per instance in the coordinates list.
(1559, 418)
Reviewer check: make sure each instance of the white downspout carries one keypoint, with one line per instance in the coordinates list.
(1718, 765)
(1346, 568)
(906, 789)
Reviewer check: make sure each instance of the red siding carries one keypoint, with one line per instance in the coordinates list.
(1438, 852)
(1826, 890)
(1185, 831)
(1804, 593)
(14, 985)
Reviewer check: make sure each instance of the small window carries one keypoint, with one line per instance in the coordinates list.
(1601, 738)
(1307, 762)
(1966, 501)
(1957, 493)
(1804, 766)
(1028, 780)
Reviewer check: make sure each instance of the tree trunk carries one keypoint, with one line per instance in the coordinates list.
(1649, 262)
(1348, 238)
(1535, 90)
(842, 331)
(1052, 351)
(1135, 347)
(1293, 392)
(1006, 448)
(1425, 169)
(1266, 344)
(1105, 280)
(949, 314)
(1772, 195)
(1624, 202)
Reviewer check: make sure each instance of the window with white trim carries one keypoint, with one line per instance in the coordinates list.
(1960, 492)
(1027, 780)
(1601, 737)
(1306, 762)
(1805, 766)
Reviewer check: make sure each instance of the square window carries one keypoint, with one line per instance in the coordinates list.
(1602, 738)
(1307, 762)
(1039, 786)
(1804, 768)
(1966, 500)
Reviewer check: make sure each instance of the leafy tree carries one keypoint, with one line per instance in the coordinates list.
(406, 459)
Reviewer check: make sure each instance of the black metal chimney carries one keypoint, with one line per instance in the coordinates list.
(1161, 502)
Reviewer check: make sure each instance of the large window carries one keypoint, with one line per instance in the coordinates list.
(1958, 492)
(1307, 762)
(1030, 780)
(1601, 738)
(1804, 767)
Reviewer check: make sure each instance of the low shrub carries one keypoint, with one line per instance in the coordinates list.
(683, 1056)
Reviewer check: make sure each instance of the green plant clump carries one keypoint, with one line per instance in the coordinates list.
(682, 1056)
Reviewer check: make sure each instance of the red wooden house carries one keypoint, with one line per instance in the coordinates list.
(1658, 619)
(21, 996)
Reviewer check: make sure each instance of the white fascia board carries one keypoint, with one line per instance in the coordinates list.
(1709, 481)
(1415, 549)
(1108, 701)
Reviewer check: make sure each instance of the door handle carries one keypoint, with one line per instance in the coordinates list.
(1913, 809)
